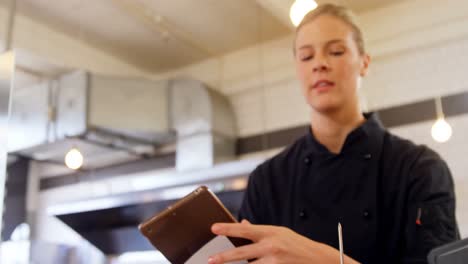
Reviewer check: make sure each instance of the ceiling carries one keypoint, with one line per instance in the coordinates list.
(360, 6)
(160, 35)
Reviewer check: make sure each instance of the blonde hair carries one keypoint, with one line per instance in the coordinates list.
(342, 13)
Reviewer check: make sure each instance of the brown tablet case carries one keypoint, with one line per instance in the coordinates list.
(183, 228)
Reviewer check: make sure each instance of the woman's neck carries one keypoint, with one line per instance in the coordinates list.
(331, 129)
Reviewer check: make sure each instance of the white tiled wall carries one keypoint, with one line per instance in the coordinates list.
(418, 74)
(279, 106)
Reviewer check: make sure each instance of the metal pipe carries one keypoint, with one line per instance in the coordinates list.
(10, 25)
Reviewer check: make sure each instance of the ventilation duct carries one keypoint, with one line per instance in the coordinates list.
(112, 120)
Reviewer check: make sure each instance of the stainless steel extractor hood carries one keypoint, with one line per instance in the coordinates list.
(119, 119)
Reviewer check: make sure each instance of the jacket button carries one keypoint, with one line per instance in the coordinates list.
(307, 160)
(366, 214)
(302, 214)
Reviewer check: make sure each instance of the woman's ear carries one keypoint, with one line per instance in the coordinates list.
(365, 65)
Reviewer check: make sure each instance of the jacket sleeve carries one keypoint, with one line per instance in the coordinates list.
(430, 218)
(251, 208)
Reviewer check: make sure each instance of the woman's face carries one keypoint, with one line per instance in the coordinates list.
(328, 64)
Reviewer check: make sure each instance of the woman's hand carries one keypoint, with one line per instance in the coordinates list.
(273, 244)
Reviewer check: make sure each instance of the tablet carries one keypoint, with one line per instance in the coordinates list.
(182, 232)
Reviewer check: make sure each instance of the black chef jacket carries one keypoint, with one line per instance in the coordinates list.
(394, 199)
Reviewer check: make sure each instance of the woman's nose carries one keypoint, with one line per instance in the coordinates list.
(320, 68)
(320, 64)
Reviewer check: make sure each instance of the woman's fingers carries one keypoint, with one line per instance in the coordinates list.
(241, 230)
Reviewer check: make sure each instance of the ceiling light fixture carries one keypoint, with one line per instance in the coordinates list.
(299, 9)
(441, 130)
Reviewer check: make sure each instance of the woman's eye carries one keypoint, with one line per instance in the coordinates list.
(337, 53)
(306, 58)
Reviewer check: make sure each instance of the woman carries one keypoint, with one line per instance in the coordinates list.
(394, 199)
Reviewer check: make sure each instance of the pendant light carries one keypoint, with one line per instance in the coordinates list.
(441, 130)
(74, 159)
(299, 9)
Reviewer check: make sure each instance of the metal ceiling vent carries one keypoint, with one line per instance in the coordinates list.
(114, 119)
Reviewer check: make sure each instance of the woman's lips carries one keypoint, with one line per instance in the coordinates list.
(323, 85)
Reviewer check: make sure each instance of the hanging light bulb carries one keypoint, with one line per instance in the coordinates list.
(441, 130)
(299, 9)
(74, 159)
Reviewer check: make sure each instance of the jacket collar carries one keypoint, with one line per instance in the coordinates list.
(363, 140)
